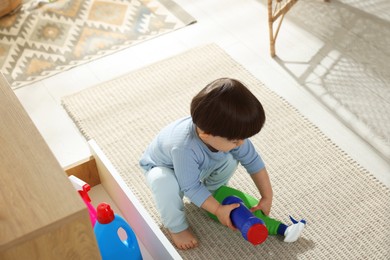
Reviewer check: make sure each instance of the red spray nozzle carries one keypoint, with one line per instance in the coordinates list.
(81, 186)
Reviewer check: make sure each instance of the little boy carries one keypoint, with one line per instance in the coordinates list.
(194, 156)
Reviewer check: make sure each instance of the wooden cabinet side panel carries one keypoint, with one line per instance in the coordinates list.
(72, 240)
(86, 171)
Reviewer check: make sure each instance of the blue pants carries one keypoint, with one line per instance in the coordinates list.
(168, 197)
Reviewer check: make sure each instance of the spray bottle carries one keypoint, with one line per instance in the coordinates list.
(111, 244)
(252, 228)
(83, 188)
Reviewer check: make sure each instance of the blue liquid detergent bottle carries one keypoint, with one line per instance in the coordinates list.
(107, 230)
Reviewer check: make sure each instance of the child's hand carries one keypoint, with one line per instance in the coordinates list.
(264, 205)
(223, 214)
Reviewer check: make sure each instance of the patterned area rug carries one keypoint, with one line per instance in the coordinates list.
(346, 208)
(46, 37)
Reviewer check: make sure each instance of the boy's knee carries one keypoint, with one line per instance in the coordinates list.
(161, 178)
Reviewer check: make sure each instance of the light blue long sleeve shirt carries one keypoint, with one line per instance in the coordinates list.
(178, 147)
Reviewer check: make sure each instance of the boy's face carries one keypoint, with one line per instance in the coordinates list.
(222, 144)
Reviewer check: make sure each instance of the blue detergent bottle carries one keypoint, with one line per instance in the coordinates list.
(111, 244)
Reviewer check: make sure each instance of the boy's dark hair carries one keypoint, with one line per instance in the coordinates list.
(226, 108)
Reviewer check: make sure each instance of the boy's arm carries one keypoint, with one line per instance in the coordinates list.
(263, 184)
(222, 212)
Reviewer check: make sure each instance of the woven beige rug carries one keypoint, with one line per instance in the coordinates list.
(346, 208)
(49, 36)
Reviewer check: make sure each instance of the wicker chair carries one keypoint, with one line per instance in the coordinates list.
(9, 6)
(277, 9)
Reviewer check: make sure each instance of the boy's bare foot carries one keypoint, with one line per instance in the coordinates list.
(184, 240)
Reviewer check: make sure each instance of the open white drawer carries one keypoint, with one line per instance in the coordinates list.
(147, 231)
